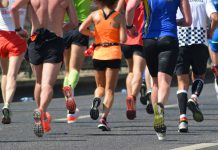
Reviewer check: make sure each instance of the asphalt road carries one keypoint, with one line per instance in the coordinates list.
(125, 134)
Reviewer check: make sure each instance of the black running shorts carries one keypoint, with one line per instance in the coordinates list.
(75, 37)
(46, 48)
(101, 65)
(130, 50)
(161, 55)
(196, 56)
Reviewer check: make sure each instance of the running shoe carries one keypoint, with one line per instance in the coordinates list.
(149, 107)
(70, 101)
(159, 125)
(47, 122)
(216, 84)
(183, 125)
(94, 111)
(143, 93)
(38, 128)
(6, 115)
(72, 117)
(131, 107)
(103, 125)
(194, 108)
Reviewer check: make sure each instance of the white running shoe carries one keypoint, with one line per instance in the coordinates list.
(72, 118)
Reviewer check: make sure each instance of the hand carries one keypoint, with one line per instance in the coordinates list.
(132, 31)
(22, 33)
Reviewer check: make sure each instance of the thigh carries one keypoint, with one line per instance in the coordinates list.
(183, 60)
(4, 65)
(138, 50)
(37, 71)
(111, 78)
(100, 78)
(199, 58)
(130, 64)
(14, 64)
(151, 56)
(168, 53)
(67, 53)
(77, 56)
(50, 72)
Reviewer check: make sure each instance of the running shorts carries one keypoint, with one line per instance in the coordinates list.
(75, 37)
(102, 65)
(196, 56)
(130, 50)
(161, 55)
(11, 44)
(45, 47)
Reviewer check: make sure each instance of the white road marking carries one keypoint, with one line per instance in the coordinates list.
(87, 116)
(197, 146)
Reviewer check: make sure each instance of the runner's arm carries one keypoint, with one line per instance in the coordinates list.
(85, 25)
(213, 15)
(73, 21)
(120, 6)
(130, 11)
(186, 11)
(15, 11)
(123, 35)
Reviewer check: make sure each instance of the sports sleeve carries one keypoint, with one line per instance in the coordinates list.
(210, 8)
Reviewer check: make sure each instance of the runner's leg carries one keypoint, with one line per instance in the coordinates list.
(129, 76)
(4, 67)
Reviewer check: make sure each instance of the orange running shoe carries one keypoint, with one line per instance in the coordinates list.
(72, 117)
(38, 128)
(70, 101)
(131, 107)
(47, 122)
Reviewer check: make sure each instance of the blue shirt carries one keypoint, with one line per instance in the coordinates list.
(160, 18)
(215, 2)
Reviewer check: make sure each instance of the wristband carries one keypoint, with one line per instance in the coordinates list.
(129, 26)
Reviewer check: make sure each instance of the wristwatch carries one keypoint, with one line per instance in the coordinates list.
(129, 26)
(18, 29)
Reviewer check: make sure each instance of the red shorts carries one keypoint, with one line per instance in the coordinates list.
(11, 44)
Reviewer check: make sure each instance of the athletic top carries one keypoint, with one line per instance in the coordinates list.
(197, 32)
(82, 9)
(160, 18)
(106, 33)
(139, 24)
(215, 2)
(6, 22)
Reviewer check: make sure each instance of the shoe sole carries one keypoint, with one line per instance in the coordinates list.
(149, 109)
(161, 136)
(6, 116)
(183, 130)
(38, 127)
(94, 111)
(103, 127)
(143, 100)
(70, 102)
(159, 125)
(197, 114)
(143, 95)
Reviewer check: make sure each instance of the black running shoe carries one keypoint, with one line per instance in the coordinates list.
(149, 107)
(6, 116)
(143, 93)
(193, 106)
(94, 112)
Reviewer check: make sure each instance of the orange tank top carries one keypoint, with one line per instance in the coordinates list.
(106, 33)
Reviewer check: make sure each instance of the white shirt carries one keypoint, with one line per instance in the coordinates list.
(6, 22)
(197, 32)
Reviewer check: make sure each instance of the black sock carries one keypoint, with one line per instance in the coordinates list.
(197, 87)
(182, 101)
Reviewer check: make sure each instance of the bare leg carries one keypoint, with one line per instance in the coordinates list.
(67, 53)
(37, 70)
(129, 77)
(164, 81)
(111, 82)
(4, 67)
(148, 79)
(100, 83)
(138, 68)
(154, 93)
(14, 66)
(49, 77)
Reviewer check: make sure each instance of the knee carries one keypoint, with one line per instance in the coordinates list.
(46, 87)
(109, 92)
